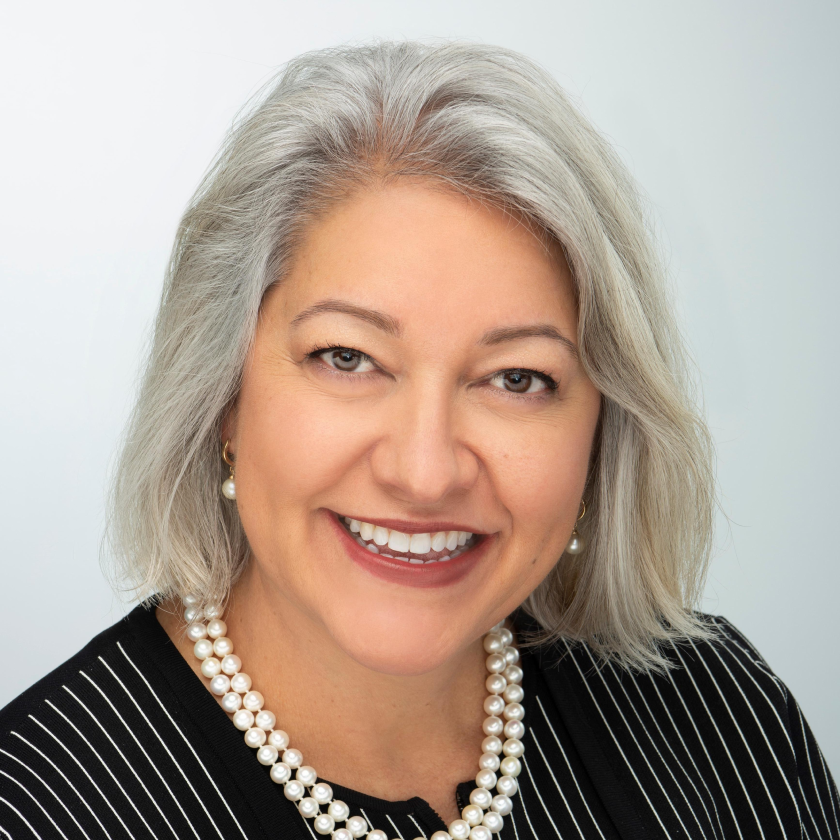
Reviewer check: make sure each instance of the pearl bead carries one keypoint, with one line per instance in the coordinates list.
(220, 685)
(357, 826)
(294, 758)
(575, 544)
(513, 747)
(306, 775)
(293, 790)
(515, 729)
(308, 807)
(192, 614)
(281, 773)
(223, 646)
(510, 766)
(459, 830)
(253, 700)
(211, 667)
(507, 636)
(493, 643)
(485, 779)
(203, 648)
(376, 834)
(324, 824)
(513, 674)
(216, 628)
(480, 832)
(243, 720)
(213, 611)
(492, 725)
(441, 835)
(279, 739)
(339, 810)
(493, 705)
(496, 663)
(229, 488)
(231, 664)
(513, 694)
(488, 761)
(511, 655)
(513, 711)
(322, 793)
(240, 682)
(502, 804)
(267, 755)
(481, 797)
(232, 702)
(196, 631)
(255, 737)
(507, 786)
(472, 814)
(491, 744)
(265, 720)
(495, 683)
(190, 599)
(342, 834)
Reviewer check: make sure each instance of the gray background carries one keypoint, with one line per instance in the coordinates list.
(726, 112)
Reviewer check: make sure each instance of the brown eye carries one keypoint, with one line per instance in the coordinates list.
(523, 382)
(517, 381)
(347, 360)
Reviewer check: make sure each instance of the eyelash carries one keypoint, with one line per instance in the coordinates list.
(550, 383)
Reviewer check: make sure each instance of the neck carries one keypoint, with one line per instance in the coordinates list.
(389, 736)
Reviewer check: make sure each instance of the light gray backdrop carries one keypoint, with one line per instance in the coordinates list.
(727, 112)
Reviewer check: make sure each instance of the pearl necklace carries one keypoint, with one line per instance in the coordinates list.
(482, 818)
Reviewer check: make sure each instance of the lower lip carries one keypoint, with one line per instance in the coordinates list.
(426, 575)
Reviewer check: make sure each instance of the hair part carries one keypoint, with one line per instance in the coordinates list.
(491, 124)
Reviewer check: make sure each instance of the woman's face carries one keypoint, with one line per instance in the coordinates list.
(415, 372)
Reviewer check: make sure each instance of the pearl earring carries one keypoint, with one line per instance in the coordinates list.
(228, 486)
(576, 542)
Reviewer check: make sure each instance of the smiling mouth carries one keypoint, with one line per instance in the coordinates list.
(416, 549)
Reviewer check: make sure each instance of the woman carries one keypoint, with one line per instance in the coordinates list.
(418, 503)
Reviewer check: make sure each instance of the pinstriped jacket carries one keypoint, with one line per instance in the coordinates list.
(123, 741)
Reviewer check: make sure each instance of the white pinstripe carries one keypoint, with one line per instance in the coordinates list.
(513, 823)
(142, 749)
(5, 832)
(69, 784)
(28, 824)
(527, 816)
(828, 784)
(184, 737)
(661, 757)
(411, 817)
(571, 772)
(542, 801)
(29, 794)
(82, 768)
(615, 740)
(556, 784)
(811, 768)
(107, 768)
(49, 790)
(395, 826)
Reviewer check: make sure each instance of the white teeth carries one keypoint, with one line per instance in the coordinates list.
(398, 541)
(439, 541)
(420, 543)
(444, 558)
(374, 537)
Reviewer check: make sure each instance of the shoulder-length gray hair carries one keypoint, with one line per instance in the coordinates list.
(492, 124)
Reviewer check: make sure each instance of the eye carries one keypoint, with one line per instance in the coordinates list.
(523, 381)
(346, 360)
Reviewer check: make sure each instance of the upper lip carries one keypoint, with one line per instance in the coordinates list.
(407, 526)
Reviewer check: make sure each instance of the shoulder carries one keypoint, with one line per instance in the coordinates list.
(717, 736)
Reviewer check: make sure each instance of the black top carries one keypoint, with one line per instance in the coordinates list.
(124, 741)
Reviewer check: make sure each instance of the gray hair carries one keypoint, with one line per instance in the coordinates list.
(492, 124)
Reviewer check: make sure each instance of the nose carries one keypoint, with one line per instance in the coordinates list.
(419, 458)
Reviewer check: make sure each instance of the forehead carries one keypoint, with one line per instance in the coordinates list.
(413, 250)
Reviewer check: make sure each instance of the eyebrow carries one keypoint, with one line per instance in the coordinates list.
(504, 334)
(377, 319)
(391, 325)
